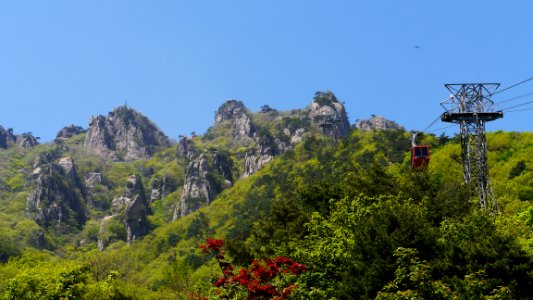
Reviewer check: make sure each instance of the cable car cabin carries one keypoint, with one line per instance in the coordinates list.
(419, 158)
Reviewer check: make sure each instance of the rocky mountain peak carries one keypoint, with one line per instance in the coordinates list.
(26, 141)
(234, 112)
(186, 148)
(230, 110)
(23, 141)
(6, 137)
(69, 131)
(124, 135)
(329, 114)
(376, 123)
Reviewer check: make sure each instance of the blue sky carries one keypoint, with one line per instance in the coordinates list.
(177, 61)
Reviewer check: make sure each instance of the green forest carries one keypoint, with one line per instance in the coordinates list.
(348, 211)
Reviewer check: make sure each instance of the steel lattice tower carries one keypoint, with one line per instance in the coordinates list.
(470, 106)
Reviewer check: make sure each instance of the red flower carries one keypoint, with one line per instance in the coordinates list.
(220, 282)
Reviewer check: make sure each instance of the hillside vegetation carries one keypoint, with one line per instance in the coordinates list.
(348, 208)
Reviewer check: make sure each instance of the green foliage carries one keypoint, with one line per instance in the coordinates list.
(352, 211)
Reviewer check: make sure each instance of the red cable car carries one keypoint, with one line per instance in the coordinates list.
(419, 158)
(419, 155)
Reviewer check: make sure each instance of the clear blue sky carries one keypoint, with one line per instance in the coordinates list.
(177, 61)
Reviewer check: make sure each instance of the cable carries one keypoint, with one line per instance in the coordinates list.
(439, 129)
(515, 110)
(517, 105)
(513, 99)
(512, 86)
(431, 124)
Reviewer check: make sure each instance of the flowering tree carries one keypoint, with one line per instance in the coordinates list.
(263, 279)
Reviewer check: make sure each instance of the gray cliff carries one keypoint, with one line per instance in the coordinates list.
(130, 209)
(124, 135)
(68, 132)
(329, 114)
(7, 137)
(235, 113)
(58, 199)
(205, 178)
(376, 123)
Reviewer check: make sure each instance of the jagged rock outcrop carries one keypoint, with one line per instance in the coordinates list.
(235, 112)
(185, 148)
(7, 137)
(68, 132)
(329, 114)
(376, 123)
(26, 141)
(124, 135)
(161, 187)
(58, 199)
(205, 178)
(131, 209)
(260, 155)
(23, 141)
(266, 109)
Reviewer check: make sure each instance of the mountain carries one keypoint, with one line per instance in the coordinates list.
(124, 135)
(117, 211)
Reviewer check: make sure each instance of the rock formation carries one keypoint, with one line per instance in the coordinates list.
(7, 137)
(58, 199)
(23, 141)
(131, 209)
(185, 148)
(26, 141)
(260, 155)
(376, 123)
(329, 114)
(161, 187)
(69, 131)
(235, 112)
(124, 135)
(92, 181)
(205, 178)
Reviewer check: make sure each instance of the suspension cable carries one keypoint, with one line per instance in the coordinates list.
(515, 110)
(513, 99)
(518, 105)
(431, 124)
(512, 86)
(442, 128)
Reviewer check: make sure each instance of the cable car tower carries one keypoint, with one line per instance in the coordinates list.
(471, 107)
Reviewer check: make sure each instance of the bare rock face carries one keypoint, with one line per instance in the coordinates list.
(124, 135)
(260, 155)
(26, 141)
(329, 114)
(7, 137)
(161, 187)
(235, 112)
(206, 177)
(376, 123)
(131, 209)
(185, 148)
(92, 181)
(58, 200)
(69, 131)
